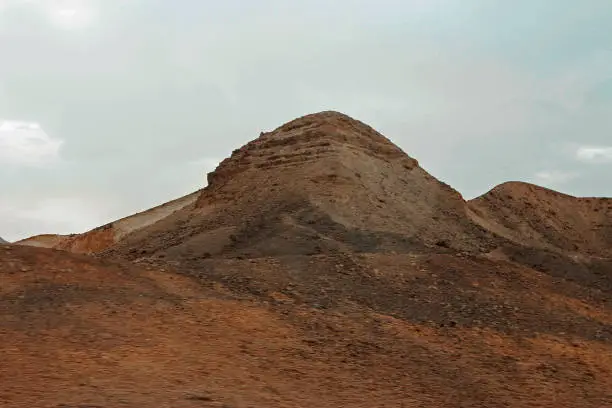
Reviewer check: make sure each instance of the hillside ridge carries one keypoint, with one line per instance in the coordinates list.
(326, 181)
(539, 217)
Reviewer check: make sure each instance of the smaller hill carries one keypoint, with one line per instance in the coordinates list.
(538, 217)
(45, 240)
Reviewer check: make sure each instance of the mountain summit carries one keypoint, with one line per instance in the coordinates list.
(323, 182)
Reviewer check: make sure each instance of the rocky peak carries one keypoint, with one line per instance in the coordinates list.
(315, 139)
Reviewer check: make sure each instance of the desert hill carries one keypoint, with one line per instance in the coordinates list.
(324, 182)
(321, 266)
(541, 218)
(327, 182)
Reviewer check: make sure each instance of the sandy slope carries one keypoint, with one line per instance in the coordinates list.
(326, 331)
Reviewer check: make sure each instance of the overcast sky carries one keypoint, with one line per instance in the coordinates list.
(109, 107)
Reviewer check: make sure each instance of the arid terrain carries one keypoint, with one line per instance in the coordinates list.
(320, 267)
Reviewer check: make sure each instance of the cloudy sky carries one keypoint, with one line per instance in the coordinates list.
(108, 107)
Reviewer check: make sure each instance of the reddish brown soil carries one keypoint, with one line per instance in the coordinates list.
(412, 331)
(321, 267)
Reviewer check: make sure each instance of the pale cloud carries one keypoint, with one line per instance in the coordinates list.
(68, 15)
(60, 14)
(6, 5)
(594, 154)
(26, 143)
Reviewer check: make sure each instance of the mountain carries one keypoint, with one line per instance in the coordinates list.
(327, 182)
(321, 266)
(3, 241)
(324, 182)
